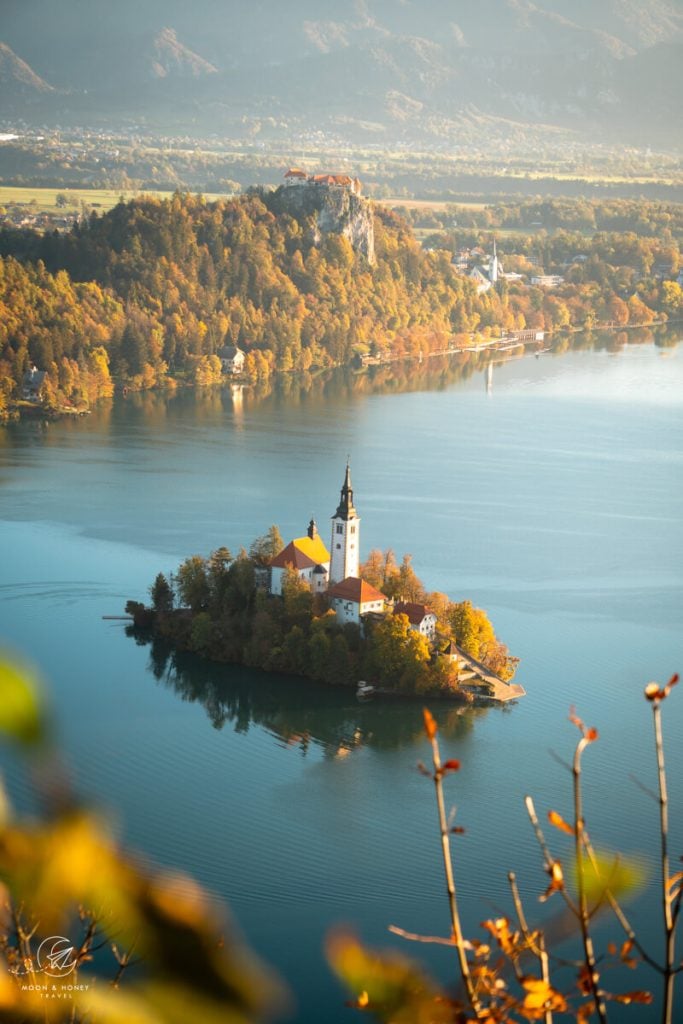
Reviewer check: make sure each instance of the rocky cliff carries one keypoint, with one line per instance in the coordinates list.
(336, 210)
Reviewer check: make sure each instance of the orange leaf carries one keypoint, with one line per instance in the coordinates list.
(541, 996)
(556, 880)
(558, 821)
(450, 766)
(592, 735)
(430, 724)
(633, 997)
(500, 930)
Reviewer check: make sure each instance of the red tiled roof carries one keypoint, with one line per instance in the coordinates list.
(331, 179)
(295, 172)
(415, 612)
(291, 555)
(356, 590)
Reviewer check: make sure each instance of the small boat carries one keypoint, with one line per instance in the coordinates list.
(365, 691)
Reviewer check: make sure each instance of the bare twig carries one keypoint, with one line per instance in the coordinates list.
(592, 974)
(414, 937)
(619, 911)
(550, 862)
(431, 730)
(667, 908)
(537, 946)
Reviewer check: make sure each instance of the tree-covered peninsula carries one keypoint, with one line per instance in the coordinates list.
(153, 291)
(222, 608)
(160, 287)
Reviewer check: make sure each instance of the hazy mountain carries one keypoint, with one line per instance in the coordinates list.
(390, 68)
(173, 58)
(17, 80)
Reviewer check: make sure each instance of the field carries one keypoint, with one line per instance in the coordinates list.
(44, 200)
(429, 204)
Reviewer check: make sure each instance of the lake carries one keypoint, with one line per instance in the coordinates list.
(551, 498)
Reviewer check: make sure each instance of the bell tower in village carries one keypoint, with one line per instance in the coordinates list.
(345, 544)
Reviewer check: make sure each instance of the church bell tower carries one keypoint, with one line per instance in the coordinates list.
(345, 544)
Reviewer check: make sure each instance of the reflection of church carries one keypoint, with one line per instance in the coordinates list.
(335, 572)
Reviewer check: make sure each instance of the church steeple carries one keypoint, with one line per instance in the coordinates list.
(345, 535)
(345, 509)
(494, 266)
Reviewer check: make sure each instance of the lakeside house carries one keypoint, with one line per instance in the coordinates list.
(32, 385)
(232, 359)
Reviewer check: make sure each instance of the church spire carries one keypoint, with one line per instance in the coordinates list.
(345, 543)
(494, 266)
(345, 509)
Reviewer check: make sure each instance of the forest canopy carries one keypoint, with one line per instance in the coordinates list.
(150, 292)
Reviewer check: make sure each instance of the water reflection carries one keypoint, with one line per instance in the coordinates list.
(155, 411)
(295, 711)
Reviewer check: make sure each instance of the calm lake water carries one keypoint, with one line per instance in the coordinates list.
(553, 502)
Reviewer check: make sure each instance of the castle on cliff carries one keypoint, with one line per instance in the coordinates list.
(336, 203)
(295, 177)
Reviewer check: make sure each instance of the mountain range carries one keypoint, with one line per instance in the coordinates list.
(380, 70)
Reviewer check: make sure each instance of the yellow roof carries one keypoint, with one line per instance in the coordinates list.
(314, 548)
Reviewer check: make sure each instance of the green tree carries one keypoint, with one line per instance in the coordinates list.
(297, 598)
(161, 593)
(267, 546)
(192, 583)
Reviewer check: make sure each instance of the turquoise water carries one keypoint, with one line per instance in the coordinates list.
(553, 502)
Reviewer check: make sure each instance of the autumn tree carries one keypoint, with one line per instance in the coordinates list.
(192, 583)
(267, 546)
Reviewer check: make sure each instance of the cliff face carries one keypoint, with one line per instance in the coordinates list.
(336, 210)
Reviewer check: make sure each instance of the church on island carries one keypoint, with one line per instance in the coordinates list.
(336, 573)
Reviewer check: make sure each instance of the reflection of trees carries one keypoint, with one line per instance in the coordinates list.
(159, 409)
(295, 710)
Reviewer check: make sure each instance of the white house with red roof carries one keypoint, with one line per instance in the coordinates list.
(421, 618)
(353, 597)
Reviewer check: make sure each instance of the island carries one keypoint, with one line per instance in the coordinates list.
(304, 609)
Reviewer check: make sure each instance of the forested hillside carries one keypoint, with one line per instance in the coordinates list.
(162, 286)
(150, 292)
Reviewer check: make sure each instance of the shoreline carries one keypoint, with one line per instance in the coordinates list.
(22, 410)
